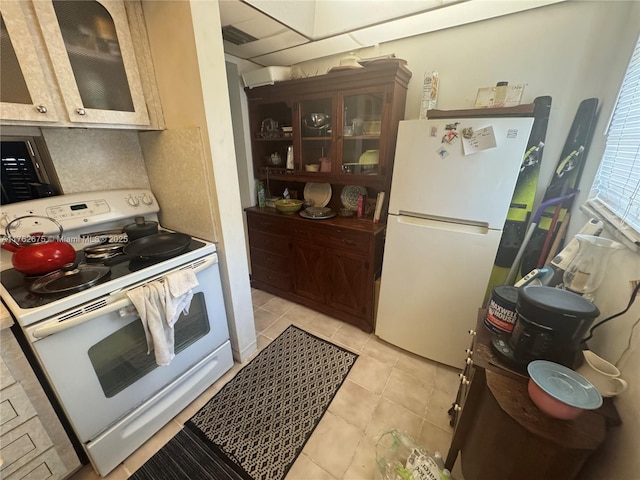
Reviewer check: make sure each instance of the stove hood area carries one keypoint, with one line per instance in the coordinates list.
(286, 32)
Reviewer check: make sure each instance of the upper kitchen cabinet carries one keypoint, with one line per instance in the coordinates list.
(340, 127)
(74, 64)
(92, 53)
(24, 94)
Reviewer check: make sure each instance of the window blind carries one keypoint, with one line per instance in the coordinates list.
(616, 188)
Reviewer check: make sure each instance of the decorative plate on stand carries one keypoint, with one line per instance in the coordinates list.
(320, 193)
(349, 196)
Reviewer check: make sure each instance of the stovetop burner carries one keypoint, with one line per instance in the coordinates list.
(19, 285)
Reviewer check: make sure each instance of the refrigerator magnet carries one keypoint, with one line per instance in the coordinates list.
(449, 137)
(434, 131)
(442, 153)
(451, 134)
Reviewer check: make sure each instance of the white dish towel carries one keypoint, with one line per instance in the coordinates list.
(159, 305)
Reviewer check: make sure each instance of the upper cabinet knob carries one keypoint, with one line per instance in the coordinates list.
(41, 109)
(81, 111)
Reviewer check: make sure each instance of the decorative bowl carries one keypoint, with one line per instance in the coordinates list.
(318, 211)
(317, 120)
(312, 167)
(560, 392)
(288, 206)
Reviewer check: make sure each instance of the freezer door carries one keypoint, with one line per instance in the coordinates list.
(434, 178)
(434, 277)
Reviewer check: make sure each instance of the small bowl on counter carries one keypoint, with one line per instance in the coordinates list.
(271, 201)
(288, 206)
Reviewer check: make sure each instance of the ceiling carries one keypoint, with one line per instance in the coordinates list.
(286, 32)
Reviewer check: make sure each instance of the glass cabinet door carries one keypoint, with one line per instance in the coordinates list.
(316, 135)
(92, 54)
(273, 137)
(23, 91)
(362, 122)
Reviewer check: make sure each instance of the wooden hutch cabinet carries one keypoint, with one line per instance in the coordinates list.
(328, 265)
(368, 101)
(344, 125)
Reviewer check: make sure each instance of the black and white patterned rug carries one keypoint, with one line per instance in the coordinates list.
(260, 420)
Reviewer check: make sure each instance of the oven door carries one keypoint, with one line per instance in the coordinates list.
(99, 368)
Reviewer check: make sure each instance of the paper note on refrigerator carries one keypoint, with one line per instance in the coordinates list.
(478, 140)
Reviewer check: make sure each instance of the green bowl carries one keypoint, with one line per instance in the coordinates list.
(370, 157)
(288, 206)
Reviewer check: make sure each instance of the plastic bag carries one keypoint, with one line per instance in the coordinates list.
(400, 457)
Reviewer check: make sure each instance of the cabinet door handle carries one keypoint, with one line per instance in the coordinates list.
(81, 111)
(41, 109)
(351, 243)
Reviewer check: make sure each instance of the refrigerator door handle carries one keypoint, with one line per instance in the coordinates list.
(441, 223)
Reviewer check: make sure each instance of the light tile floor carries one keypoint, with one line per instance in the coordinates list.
(386, 388)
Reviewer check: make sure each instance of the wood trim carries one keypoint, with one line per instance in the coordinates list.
(525, 110)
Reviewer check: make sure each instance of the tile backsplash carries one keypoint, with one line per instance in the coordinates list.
(96, 159)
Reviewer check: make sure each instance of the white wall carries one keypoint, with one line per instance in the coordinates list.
(189, 62)
(570, 51)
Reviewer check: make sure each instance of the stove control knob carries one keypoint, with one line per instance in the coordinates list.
(146, 199)
(133, 201)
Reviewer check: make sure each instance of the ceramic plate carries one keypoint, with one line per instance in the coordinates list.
(564, 384)
(320, 193)
(349, 196)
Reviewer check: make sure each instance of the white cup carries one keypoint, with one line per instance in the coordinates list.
(602, 374)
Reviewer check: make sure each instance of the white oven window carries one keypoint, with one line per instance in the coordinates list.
(121, 358)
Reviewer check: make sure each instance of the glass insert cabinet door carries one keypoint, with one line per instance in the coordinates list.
(317, 128)
(361, 128)
(24, 94)
(93, 58)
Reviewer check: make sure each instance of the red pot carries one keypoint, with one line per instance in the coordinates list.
(38, 257)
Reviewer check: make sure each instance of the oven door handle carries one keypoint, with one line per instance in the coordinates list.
(46, 330)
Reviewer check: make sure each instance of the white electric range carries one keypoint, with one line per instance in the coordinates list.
(87, 338)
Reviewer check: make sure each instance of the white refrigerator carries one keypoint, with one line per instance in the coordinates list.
(452, 185)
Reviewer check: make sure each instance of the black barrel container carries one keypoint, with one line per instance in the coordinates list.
(550, 325)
